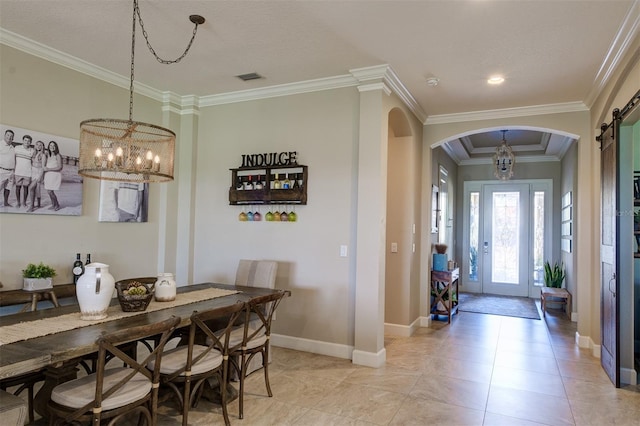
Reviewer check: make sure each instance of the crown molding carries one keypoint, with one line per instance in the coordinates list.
(619, 48)
(386, 74)
(507, 112)
(279, 90)
(50, 54)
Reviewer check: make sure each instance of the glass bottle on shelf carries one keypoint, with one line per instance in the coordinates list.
(259, 183)
(287, 183)
(296, 185)
(248, 185)
(276, 183)
(88, 259)
(239, 184)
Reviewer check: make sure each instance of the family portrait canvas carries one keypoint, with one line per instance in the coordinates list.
(39, 173)
(123, 201)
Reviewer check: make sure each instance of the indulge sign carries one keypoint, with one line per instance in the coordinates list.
(273, 159)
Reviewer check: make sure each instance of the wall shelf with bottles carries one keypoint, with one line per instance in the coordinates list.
(269, 185)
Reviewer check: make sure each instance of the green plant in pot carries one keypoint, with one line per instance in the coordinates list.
(38, 277)
(554, 275)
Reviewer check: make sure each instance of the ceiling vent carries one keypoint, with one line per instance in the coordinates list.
(249, 76)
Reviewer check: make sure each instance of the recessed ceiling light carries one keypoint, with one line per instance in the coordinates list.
(496, 80)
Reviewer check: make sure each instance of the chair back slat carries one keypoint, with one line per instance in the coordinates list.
(216, 340)
(262, 308)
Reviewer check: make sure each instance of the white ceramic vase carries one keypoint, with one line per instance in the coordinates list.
(165, 288)
(94, 290)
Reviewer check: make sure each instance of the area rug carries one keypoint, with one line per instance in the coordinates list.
(522, 307)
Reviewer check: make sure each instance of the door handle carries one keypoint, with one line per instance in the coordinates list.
(612, 280)
(486, 247)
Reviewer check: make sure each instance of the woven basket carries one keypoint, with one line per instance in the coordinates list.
(135, 303)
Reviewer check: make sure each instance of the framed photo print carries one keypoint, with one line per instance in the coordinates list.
(123, 201)
(39, 173)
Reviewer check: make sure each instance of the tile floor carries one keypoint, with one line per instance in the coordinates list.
(479, 370)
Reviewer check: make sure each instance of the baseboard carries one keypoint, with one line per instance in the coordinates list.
(628, 376)
(587, 343)
(425, 321)
(370, 359)
(402, 330)
(313, 346)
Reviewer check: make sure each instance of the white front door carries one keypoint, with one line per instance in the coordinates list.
(505, 246)
(507, 233)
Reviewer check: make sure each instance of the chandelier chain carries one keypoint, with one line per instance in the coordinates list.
(133, 55)
(146, 37)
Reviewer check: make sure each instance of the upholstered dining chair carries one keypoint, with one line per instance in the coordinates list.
(253, 338)
(256, 273)
(185, 369)
(111, 393)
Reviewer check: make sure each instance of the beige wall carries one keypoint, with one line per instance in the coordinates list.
(41, 96)
(320, 127)
(569, 171)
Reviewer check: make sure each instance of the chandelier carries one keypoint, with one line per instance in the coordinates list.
(127, 150)
(503, 160)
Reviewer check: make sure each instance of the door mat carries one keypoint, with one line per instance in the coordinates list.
(521, 307)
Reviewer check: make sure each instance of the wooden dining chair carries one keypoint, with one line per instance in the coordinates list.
(185, 369)
(253, 338)
(18, 384)
(112, 393)
(256, 273)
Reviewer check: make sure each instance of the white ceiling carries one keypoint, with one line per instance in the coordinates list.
(552, 53)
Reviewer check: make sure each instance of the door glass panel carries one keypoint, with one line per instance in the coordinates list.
(538, 237)
(474, 223)
(506, 237)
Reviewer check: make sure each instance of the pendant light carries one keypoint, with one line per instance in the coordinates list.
(128, 150)
(503, 160)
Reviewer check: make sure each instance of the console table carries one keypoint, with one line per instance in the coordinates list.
(444, 292)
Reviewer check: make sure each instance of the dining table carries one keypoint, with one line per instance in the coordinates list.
(57, 350)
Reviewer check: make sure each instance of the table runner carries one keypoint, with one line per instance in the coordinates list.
(42, 327)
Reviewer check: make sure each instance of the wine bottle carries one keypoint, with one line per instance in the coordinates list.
(88, 259)
(259, 183)
(78, 268)
(287, 183)
(296, 185)
(276, 183)
(239, 184)
(248, 185)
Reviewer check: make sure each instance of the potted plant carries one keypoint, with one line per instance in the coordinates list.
(38, 277)
(553, 275)
(440, 257)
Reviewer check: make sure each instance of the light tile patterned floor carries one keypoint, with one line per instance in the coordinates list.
(479, 370)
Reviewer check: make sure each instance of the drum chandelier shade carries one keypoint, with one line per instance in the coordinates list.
(503, 160)
(127, 150)
(123, 150)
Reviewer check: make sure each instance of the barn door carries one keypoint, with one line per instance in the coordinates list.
(609, 285)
